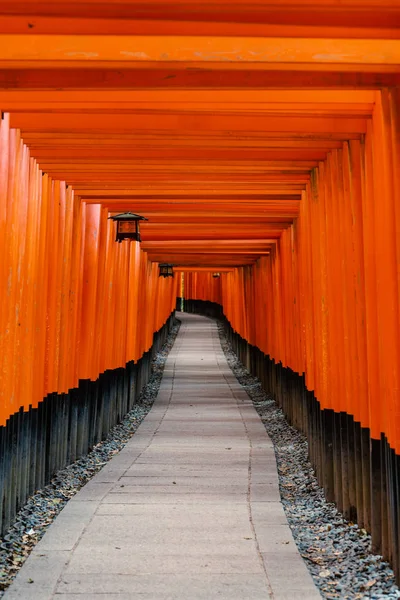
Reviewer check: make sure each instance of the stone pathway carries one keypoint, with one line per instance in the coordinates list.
(188, 510)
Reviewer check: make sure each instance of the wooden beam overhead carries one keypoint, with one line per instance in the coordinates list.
(171, 77)
(207, 118)
(75, 50)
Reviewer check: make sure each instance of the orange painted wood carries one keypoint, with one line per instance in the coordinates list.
(330, 285)
(260, 140)
(171, 77)
(120, 49)
(66, 292)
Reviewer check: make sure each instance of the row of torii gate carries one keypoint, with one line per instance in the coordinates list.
(260, 141)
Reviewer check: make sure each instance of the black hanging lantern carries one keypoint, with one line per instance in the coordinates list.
(215, 275)
(128, 226)
(166, 270)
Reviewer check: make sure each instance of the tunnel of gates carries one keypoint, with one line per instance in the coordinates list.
(261, 141)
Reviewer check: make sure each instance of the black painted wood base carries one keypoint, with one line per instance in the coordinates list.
(34, 444)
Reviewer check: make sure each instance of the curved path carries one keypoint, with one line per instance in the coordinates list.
(189, 509)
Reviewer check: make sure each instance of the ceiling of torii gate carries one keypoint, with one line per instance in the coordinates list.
(205, 117)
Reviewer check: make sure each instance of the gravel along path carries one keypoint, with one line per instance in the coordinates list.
(336, 552)
(42, 508)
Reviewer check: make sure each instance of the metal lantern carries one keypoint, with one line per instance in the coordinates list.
(166, 270)
(216, 275)
(128, 226)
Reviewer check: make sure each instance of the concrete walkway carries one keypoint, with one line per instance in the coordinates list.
(189, 509)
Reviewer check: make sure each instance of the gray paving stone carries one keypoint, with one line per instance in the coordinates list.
(160, 470)
(194, 499)
(265, 514)
(66, 530)
(276, 538)
(95, 490)
(289, 577)
(204, 587)
(265, 492)
(37, 580)
(119, 561)
(220, 489)
(165, 527)
(192, 482)
(188, 513)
